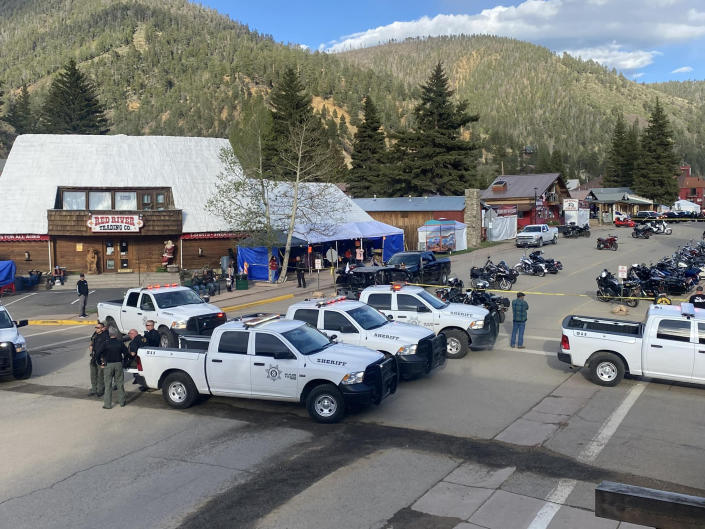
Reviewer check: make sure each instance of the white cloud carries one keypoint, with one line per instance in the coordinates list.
(559, 24)
(683, 69)
(637, 75)
(613, 56)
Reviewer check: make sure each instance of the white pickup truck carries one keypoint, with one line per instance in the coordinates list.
(416, 348)
(464, 326)
(537, 235)
(14, 358)
(175, 310)
(669, 345)
(273, 359)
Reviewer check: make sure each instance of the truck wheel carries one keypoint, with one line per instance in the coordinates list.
(179, 391)
(555, 239)
(166, 337)
(28, 369)
(325, 404)
(606, 369)
(457, 343)
(444, 278)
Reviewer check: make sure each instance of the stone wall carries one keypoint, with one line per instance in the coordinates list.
(473, 217)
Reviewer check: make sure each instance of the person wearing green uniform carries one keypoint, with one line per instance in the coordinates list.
(98, 338)
(112, 355)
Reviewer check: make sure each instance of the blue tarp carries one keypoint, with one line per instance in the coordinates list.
(257, 264)
(7, 272)
(393, 244)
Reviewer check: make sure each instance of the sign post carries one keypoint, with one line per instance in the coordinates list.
(622, 274)
(318, 263)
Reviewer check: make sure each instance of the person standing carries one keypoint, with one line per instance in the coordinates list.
(112, 355)
(82, 289)
(273, 267)
(698, 299)
(152, 335)
(98, 338)
(300, 273)
(519, 309)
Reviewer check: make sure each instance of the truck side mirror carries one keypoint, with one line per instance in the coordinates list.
(333, 337)
(21, 323)
(390, 317)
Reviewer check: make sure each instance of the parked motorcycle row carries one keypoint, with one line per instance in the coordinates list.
(647, 229)
(572, 231)
(537, 265)
(674, 275)
(453, 293)
(495, 275)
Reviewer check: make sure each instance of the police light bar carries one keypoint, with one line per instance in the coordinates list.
(260, 320)
(396, 286)
(330, 301)
(687, 310)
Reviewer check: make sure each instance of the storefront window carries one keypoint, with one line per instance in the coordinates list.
(161, 200)
(74, 200)
(147, 201)
(99, 200)
(126, 200)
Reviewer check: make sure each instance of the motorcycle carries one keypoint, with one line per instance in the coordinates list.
(609, 289)
(660, 227)
(453, 293)
(642, 231)
(527, 266)
(607, 243)
(655, 283)
(496, 276)
(550, 265)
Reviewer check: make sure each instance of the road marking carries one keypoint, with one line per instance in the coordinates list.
(50, 332)
(49, 346)
(255, 303)
(20, 299)
(560, 493)
(78, 298)
(61, 322)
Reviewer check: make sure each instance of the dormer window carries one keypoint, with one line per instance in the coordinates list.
(499, 185)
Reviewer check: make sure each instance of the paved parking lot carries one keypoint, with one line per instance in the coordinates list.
(500, 439)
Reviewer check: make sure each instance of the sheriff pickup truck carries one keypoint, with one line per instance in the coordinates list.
(272, 359)
(14, 358)
(669, 345)
(464, 326)
(175, 310)
(416, 348)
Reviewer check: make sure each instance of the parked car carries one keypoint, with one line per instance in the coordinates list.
(351, 283)
(14, 358)
(537, 235)
(664, 346)
(424, 267)
(624, 222)
(270, 358)
(175, 310)
(646, 215)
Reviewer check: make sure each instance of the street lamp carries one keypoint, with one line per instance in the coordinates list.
(535, 205)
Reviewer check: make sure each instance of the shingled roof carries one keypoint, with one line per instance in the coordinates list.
(519, 186)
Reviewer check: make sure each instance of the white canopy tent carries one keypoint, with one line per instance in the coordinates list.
(686, 205)
(500, 228)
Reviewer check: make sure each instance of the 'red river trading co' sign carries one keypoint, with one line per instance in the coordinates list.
(115, 223)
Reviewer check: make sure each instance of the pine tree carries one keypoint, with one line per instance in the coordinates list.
(557, 165)
(543, 160)
(72, 105)
(20, 115)
(614, 172)
(657, 168)
(433, 158)
(368, 156)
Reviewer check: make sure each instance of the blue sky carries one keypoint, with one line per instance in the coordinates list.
(647, 40)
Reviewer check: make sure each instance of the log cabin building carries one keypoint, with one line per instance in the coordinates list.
(110, 204)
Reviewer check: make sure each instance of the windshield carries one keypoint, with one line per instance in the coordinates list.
(307, 340)
(5, 320)
(166, 300)
(367, 317)
(531, 229)
(432, 300)
(404, 258)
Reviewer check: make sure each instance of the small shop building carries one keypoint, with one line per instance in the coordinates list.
(607, 201)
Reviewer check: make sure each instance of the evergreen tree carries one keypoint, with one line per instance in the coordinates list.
(20, 115)
(614, 172)
(434, 158)
(557, 165)
(543, 160)
(657, 168)
(368, 157)
(72, 105)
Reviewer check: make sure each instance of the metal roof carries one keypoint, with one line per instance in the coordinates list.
(611, 195)
(432, 203)
(520, 186)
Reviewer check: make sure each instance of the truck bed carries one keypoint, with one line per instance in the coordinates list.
(633, 329)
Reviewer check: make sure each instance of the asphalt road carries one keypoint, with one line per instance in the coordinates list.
(495, 440)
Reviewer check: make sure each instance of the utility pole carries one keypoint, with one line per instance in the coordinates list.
(534, 205)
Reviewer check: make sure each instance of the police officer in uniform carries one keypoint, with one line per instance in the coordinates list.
(98, 338)
(152, 335)
(136, 341)
(112, 354)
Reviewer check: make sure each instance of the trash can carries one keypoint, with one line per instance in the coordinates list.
(241, 282)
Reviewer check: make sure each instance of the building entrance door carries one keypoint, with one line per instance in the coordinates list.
(116, 255)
